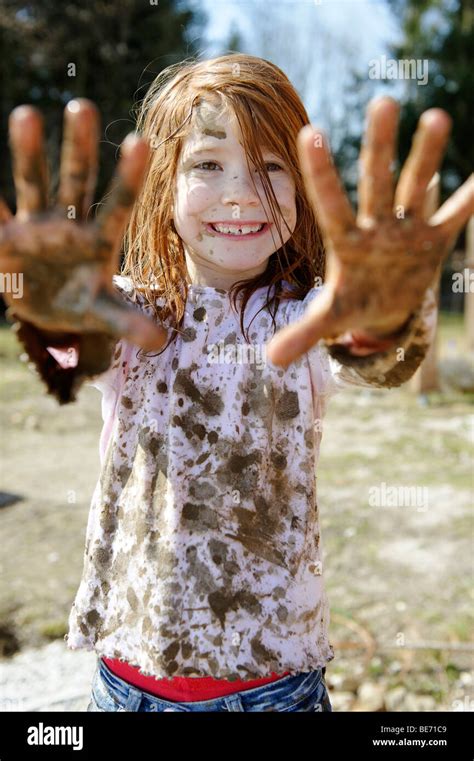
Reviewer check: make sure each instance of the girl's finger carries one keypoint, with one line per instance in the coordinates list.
(115, 211)
(5, 239)
(296, 339)
(323, 186)
(78, 168)
(30, 172)
(424, 159)
(120, 319)
(376, 185)
(451, 217)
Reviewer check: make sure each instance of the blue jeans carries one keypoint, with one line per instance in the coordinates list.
(305, 691)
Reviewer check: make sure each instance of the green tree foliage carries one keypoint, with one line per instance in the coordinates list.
(442, 32)
(106, 51)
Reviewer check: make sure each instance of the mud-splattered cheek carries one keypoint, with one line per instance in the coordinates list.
(192, 200)
(198, 196)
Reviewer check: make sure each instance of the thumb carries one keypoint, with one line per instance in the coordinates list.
(119, 319)
(294, 340)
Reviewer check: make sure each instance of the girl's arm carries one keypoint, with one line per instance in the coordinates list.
(394, 361)
(64, 361)
(357, 359)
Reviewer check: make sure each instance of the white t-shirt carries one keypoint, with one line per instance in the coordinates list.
(203, 551)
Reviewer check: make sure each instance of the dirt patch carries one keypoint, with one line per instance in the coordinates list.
(398, 578)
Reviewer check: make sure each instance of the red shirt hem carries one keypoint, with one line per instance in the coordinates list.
(185, 689)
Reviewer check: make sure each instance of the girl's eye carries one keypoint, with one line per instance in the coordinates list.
(204, 165)
(272, 163)
(207, 164)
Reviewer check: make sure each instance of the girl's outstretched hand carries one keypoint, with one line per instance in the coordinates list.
(381, 262)
(61, 262)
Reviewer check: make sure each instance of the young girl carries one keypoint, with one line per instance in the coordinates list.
(203, 580)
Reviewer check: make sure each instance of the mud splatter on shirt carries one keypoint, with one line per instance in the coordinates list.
(203, 551)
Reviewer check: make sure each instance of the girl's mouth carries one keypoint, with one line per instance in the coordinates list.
(237, 231)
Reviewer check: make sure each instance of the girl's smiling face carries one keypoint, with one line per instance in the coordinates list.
(218, 213)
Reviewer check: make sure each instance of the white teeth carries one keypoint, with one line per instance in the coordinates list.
(237, 229)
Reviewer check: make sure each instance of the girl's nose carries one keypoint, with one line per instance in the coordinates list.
(240, 190)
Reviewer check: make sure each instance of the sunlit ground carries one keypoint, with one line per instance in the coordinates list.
(399, 579)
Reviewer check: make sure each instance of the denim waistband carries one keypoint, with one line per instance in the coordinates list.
(294, 685)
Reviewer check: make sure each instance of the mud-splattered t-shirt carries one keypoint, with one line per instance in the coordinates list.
(203, 552)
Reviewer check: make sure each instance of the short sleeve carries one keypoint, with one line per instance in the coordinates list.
(111, 380)
(322, 367)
